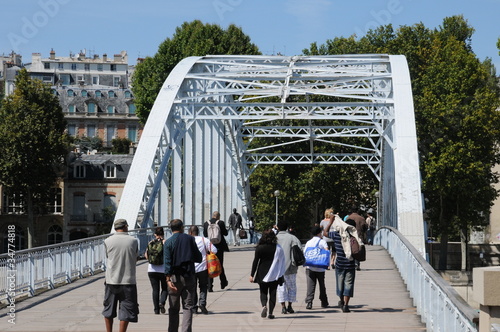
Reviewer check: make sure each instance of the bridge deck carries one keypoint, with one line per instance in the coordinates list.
(380, 303)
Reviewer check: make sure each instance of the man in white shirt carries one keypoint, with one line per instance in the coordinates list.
(204, 246)
(315, 274)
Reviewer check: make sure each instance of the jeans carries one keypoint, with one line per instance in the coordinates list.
(157, 279)
(313, 278)
(345, 282)
(252, 236)
(186, 286)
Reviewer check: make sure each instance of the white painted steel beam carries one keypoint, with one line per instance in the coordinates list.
(217, 117)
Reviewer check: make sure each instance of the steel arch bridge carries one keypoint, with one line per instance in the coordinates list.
(216, 118)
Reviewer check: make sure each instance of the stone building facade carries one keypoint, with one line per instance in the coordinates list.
(82, 204)
(93, 92)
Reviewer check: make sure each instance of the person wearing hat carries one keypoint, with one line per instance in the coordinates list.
(122, 252)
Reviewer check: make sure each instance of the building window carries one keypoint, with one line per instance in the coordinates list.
(47, 79)
(54, 92)
(110, 171)
(91, 107)
(79, 171)
(71, 93)
(84, 93)
(13, 204)
(95, 80)
(65, 79)
(116, 81)
(55, 203)
(60, 65)
(109, 202)
(111, 109)
(72, 129)
(91, 131)
(71, 109)
(131, 109)
(73, 66)
(54, 235)
(87, 66)
(111, 94)
(132, 133)
(110, 134)
(98, 94)
(99, 66)
(46, 65)
(79, 207)
(18, 240)
(113, 67)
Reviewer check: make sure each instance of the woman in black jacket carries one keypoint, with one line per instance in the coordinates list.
(268, 268)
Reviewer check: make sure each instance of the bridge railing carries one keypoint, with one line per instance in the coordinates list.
(439, 305)
(27, 272)
(30, 271)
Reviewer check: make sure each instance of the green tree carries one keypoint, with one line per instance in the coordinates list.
(32, 144)
(191, 39)
(455, 97)
(120, 145)
(88, 143)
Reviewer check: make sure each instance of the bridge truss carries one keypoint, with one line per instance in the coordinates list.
(216, 118)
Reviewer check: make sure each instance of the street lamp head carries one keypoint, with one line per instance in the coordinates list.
(276, 193)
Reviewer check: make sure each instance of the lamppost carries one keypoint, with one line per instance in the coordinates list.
(276, 194)
(377, 196)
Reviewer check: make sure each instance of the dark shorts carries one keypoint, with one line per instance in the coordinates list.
(127, 296)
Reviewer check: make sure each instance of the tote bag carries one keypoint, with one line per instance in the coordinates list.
(213, 265)
(317, 257)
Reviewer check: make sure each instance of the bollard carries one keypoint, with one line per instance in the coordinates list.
(486, 290)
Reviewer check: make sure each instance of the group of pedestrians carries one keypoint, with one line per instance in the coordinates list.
(184, 269)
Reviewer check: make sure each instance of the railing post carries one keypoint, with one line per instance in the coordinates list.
(31, 274)
(52, 268)
(69, 263)
(486, 290)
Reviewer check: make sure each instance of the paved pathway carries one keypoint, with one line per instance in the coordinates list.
(381, 303)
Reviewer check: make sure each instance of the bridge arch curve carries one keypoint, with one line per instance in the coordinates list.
(196, 154)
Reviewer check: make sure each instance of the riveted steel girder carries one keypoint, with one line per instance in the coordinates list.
(216, 118)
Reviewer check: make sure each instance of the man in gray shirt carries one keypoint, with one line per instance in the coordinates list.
(122, 251)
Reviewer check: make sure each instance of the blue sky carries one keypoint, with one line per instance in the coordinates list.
(284, 26)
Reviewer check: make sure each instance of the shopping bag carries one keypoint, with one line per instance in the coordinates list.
(317, 257)
(213, 265)
(243, 234)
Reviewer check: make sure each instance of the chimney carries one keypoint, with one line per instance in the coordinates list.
(104, 57)
(96, 56)
(52, 54)
(118, 58)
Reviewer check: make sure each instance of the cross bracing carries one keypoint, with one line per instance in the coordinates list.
(216, 118)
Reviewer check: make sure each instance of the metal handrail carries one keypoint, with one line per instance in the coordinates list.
(26, 272)
(439, 305)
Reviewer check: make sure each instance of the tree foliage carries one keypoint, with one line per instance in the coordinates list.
(191, 39)
(455, 97)
(32, 143)
(121, 145)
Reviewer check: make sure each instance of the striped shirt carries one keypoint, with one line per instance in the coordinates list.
(341, 261)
